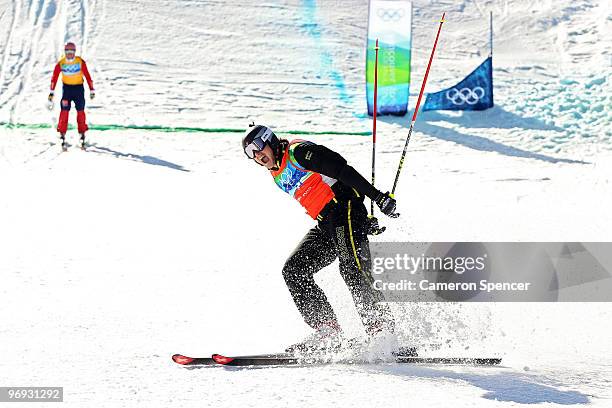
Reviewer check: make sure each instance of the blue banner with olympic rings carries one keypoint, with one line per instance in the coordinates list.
(475, 92)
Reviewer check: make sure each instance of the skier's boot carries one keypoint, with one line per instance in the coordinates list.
(64, 144)
(83, 141)
(327, 336)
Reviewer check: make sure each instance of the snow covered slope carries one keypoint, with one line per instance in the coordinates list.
(299, 64)
(113, 259)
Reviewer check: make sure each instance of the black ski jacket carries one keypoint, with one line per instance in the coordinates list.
(322, 160)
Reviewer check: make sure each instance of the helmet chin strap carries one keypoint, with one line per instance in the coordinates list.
(276, 165)
(278, 154)
(276, 161)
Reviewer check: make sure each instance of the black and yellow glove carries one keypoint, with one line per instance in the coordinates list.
(387, 204)
(373, 227)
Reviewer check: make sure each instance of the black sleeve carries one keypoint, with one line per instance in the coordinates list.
(322, 160)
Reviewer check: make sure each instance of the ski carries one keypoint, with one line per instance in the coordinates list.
(192, 361)
(450, 360)
(282, 359)
(199, 361)
(264, 360)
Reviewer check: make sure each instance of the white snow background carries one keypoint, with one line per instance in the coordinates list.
(158, 243)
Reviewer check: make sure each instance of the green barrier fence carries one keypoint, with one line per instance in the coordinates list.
(159, 128)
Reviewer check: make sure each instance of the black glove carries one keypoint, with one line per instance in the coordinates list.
(373, 227)
(387, 204)
(50, 97)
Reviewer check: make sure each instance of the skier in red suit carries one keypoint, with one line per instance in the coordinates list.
(74, 71)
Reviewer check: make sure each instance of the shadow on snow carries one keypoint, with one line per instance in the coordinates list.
(135, 157)
(512, 387)
(497, 117)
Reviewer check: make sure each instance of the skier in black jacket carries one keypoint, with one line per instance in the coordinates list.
(332, 192)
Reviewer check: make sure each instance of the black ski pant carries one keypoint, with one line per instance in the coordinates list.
(342, 233)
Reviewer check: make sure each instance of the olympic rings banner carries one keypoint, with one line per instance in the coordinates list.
(475, 92)
(391, 23)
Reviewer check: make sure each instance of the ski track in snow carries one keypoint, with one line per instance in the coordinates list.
(116, 258)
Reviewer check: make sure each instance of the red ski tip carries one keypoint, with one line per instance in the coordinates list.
(219, 359)
(180, 359)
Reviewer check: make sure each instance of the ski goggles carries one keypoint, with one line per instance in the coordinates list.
(257, 145)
